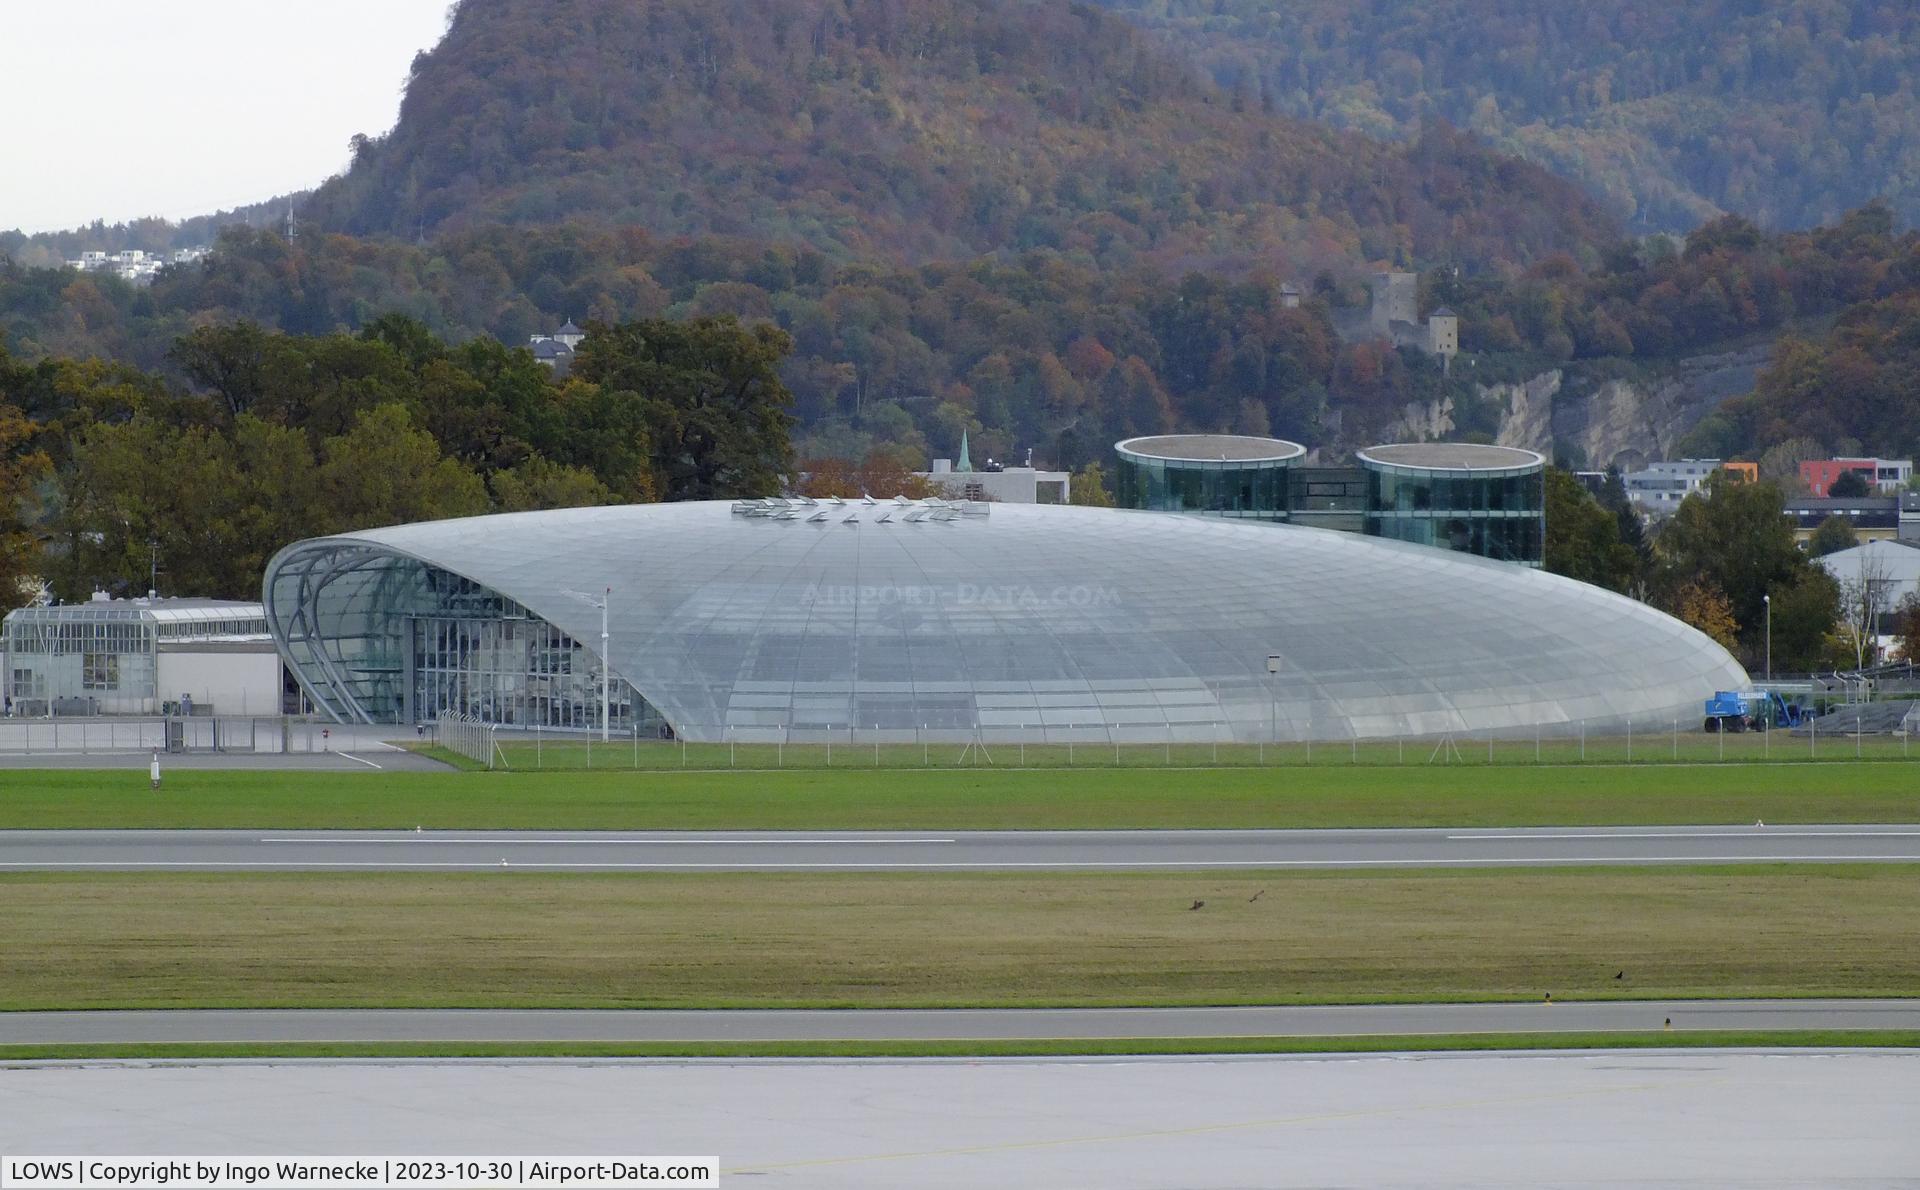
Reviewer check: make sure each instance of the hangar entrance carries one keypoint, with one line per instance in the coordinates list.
(375, 637)
(516, 671)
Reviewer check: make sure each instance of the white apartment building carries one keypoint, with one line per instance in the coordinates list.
(1661, 487)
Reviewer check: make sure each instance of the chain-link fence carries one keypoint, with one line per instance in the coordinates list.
(1846, 733)
(1646, 741)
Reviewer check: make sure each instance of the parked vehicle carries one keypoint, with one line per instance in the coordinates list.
(1751, 710)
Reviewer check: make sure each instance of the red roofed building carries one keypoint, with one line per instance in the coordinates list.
(1884, 475)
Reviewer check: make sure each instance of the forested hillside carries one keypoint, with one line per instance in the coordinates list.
(1652, 300)
(1785, 111)
(1037, 350)
(1034, 351)
(1017, 219)
(912, 130)
(1014, 219)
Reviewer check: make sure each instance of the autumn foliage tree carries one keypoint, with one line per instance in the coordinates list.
(710, 396)
(282, 436)
(1703, 605)
(22, 468)
(1583, 539)
(1734, 542)
(881, 475)
(1906, 629)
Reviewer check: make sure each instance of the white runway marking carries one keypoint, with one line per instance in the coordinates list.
(1752, 832)
(419, 839)
(982, 865)
(359, 760)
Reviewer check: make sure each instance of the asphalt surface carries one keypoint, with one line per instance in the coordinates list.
(961, 1024)
(1586, 1119)
(370, 759)
(108, 745)
(849, 851)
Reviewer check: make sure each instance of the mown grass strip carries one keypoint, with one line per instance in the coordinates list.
(984, 799)
(1104, 1047)
(1655, 743)
(819, 940)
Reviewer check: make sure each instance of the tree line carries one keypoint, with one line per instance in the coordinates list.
(1727, 563)
(256, 439)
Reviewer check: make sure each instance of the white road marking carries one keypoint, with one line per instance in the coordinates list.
(982, 865)
(359, 760)
(419, 839)
(1752, 832)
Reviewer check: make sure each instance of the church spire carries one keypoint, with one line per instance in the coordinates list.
(966, 460)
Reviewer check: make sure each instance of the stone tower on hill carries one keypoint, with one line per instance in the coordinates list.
(1396, 298)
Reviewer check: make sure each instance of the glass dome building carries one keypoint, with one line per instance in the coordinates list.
(1227, 475)
(802, 620)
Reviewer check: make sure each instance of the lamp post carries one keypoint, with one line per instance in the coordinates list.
(1273, 698)
(1768, 600)
(606, 657)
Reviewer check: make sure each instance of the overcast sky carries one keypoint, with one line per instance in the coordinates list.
(124, 108)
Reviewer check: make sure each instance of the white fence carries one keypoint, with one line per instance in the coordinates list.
(109, 734)
(471, 738)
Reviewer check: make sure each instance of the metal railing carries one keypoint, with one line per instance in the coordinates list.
(469, 737)
(108, 734)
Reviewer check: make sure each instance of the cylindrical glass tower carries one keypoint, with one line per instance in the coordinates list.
(1226, 475)
(1485, 500)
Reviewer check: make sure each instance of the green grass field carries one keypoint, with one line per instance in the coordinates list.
(984, 799)
(1417, 1043)
(1655, 743)
(172, 940)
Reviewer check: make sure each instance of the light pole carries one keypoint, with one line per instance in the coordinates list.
(1273, 697)
(606, 657)
(1768, 600)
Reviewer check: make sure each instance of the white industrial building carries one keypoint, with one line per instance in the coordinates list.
(1660, 488)
(1005, 485)
(997, 483)
(1893, 567)
(147, 656)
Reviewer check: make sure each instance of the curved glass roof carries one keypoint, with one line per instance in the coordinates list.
(799, 620)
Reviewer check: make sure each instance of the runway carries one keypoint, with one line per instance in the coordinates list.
(209, 1026)
(855, 851)
(1645, 1119)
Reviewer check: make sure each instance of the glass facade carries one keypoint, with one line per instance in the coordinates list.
(1248, 480)
(102, 657)
(385, 639)
(813, 620)
(85, 660)
(1494, 512)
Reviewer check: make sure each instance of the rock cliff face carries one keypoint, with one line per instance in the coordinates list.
(1598, 421)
